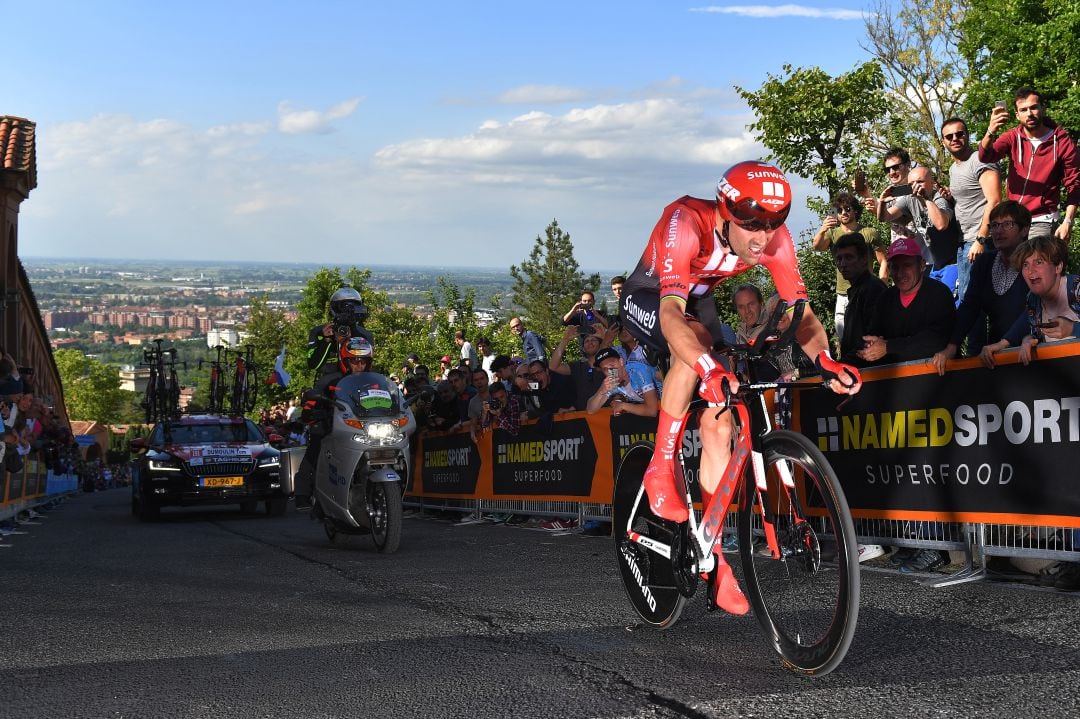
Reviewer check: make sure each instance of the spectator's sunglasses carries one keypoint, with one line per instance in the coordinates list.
(960, 135)
(889, 169)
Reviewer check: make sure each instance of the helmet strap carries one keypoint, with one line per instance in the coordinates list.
(722, 236)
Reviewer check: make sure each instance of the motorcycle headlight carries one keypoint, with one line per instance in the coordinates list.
(379, 433)
(164, 465)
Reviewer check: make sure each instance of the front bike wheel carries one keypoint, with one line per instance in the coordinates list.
(807, 600)
(648, 577)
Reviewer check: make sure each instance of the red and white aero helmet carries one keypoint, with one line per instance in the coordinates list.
(754, 195)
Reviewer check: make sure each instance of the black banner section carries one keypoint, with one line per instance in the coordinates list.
(451, 464)
(1002, 441)
(559, 461)
(629, 429)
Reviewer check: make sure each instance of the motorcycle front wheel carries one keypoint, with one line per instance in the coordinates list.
(384, 512)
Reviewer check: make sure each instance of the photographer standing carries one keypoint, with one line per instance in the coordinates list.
(584, 314)
(347, 315)
(501, 410)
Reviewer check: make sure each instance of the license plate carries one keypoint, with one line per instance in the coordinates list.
(221, 481)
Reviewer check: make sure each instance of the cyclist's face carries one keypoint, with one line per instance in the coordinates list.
(749, 245)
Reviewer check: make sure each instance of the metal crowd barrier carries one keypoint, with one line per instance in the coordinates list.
(977, 542)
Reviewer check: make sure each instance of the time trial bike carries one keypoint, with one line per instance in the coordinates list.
(796, 537)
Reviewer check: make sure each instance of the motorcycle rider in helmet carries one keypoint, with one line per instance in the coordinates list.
(347, 316)
(355, 356)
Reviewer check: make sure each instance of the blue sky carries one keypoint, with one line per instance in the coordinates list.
(355, 133)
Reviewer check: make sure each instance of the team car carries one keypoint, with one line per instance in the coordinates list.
(206, 459)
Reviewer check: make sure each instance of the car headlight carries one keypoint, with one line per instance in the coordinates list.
(270, 461)
(379, 433)
(168, 465)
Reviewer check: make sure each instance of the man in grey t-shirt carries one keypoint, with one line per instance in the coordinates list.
(975, 187)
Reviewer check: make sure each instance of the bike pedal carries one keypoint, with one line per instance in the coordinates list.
(710, 603)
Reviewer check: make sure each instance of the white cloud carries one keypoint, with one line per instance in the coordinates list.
(117, 186)
(541, 95)
(774, 11)
(580, 145)
(292, 121)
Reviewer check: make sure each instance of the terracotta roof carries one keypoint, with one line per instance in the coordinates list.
(18, 147)
(82, 427)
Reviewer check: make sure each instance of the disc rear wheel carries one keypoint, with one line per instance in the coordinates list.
(656, 588)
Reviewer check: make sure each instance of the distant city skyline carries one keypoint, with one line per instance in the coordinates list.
(441, 133)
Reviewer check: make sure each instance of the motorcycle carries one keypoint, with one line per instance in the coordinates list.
(364, 461)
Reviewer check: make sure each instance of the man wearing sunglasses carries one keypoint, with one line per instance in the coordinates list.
(667, 305)
(895, 167)
(975, 187)
(843, 219)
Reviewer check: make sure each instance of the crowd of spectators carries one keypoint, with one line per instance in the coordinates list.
(30, 425)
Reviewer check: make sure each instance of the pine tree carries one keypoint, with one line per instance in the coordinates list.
(549, 282)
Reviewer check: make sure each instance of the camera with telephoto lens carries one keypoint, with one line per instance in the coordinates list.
(346, 316)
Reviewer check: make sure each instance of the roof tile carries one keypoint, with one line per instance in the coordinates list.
(18, 146)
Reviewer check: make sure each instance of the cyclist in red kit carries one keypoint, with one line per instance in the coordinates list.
(667, 305)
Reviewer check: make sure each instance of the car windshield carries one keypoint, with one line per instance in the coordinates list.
(369, 395)
(208, 432)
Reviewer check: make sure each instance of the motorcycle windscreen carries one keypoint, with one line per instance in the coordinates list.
(369, 395)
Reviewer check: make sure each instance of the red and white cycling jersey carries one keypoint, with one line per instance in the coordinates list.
(686, 257)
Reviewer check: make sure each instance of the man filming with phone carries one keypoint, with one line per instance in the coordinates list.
(1042, 162)
(627, 392)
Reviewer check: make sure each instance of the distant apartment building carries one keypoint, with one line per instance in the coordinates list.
(134, 379)
(54, 320)
(223, 336)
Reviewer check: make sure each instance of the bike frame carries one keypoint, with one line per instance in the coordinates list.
(748, 446)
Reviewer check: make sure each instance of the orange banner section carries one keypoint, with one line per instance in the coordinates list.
(567, 459)
(26, 484)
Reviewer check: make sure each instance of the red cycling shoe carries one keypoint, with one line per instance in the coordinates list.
(726, 592)
(665, 500)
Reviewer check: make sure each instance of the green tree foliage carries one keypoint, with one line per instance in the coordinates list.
(267, 332)
(397, 330)
(549, 282)
(1021, 42)
(452, 310)
(91, 389)
(815, 125)
(917, 46)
